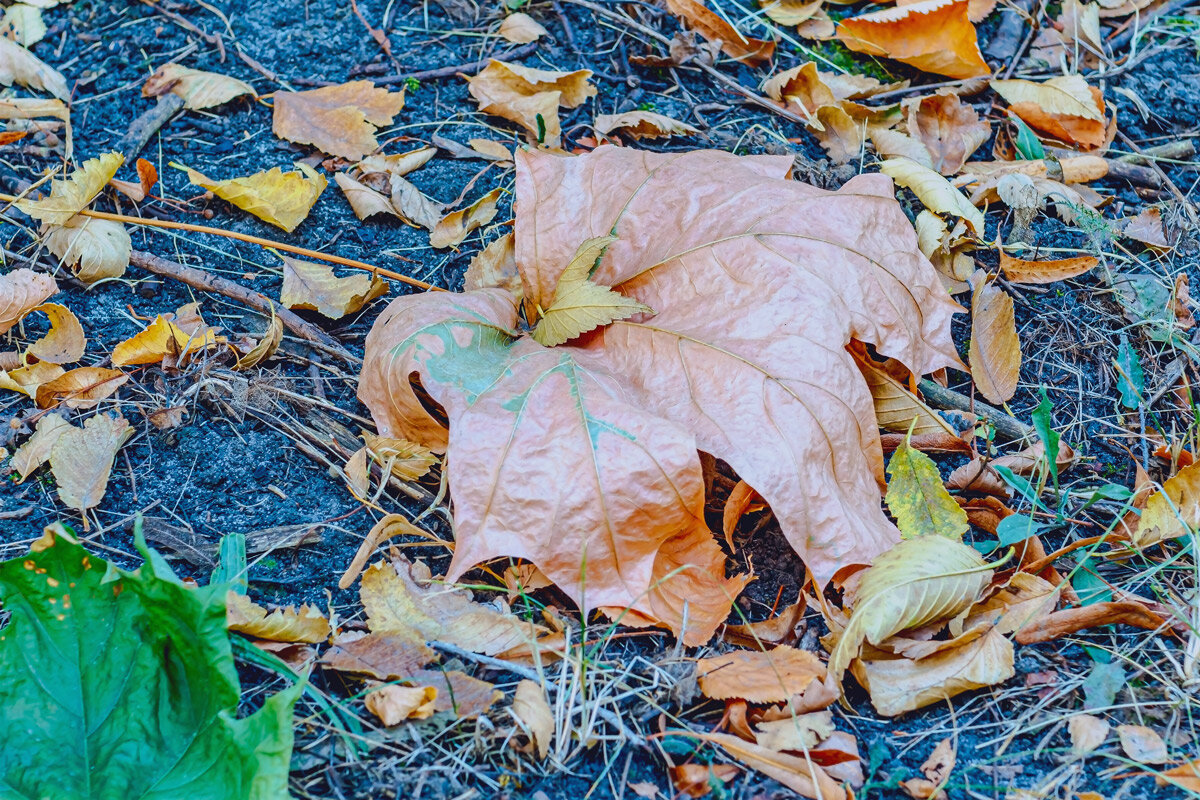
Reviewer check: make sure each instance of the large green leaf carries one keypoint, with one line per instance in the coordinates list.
(121, 685)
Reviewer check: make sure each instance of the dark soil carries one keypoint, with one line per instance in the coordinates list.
(231, 468)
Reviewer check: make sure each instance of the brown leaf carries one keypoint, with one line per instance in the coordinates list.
(1041, 272)
(93, 248)
(1064, 107)
(147, 175)
(455, 227)
(83, 387)
(339, 120)
(313, 286)
(995, 353)
(759, 677)
(779, 629)
(365, 201)
(897, 408)
(307, 624)
(1142, 744)
(495, 266)
(532, 710)
(458, 692)
(950, 129)
(1186, 776)
(978, 476)
(521, 28)
(21, 291)
(739, 501)
(797, 773)
(266, 346)
(199, 89)
(82, 458)
(523, 95)
(933, 36)
(696, 780)
(643, 125)
(798, 734)
(1147, 228)
(714, 28)
(64, 342)
(28, 378)
(387, 657)
(1070, 620)
(395, 704)
(937, 769)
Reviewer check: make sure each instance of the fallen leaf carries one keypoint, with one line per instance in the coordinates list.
(313, 286)
(382, 656)
(918, 499)
(520, 28)
(800, 733)
(395, 704)
(407, 460)
(790, 12)
(713, 27)
(1019, 270)
(757, 676)
(1056, 624)
(339, 120)
(23, 24)
(83, 387)
(161, 339)
(1186, 776)
(18, 65)
(28, 378)
(1171, 512)
(365, 201)
(696, 780)
(64, 342)
(21, 291)
(937, 769)
(1147, 228)
(199, 89)
(797, 773)
(458, 693)
(397, 163)
(36, 449)
(1064, 107)
(265, 347)
(739, 501)
(579, 305)
(642, 125)
(949, 129)
(495, 266)
(521, 579)
(1142, 744)
(898, 409)
(530, 97)
(490, 150)
(933, 36)
(413, 207)
(70, 195)
(779, 629)
(995, 351)
(934, 191)
(31, 108)
(82, 458)
(532, 710)
(281, 198)
(147, 175)
(306, 624)
(93, 248)
(1087, 733)
(456, 226)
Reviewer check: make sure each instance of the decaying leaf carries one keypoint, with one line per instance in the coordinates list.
(161, 339)
(455, 226)
(21, 291)
(83, 387)
(82, 458)
(93, 248)
(28, 378)
(616, 406)
(530, 97)
(1142, 744)
(933, 36)
(950, 130)
(995, 352)
(18, 65)
(32, 108)
(800, 733)
(74, 193)
(695, 780)
(937, 769)
(1173, 511)
(385, 657)
(199, 89)
(64, 342)
(36, 449)
(365, 201)
(532, 710)
(412, 206)
(281, 198)
(521, 28)
(457, 692)
(933, 191)
(917, 498)
(898, 409)
(797, 772)
(779, 629)
(407, 460)
(756, 676)
(643, 125)
(23, 24)
(495, 266)
(339, 120)
(1041, 272)
(395, 704)
(1064, 107)
(1186, 776)
(313, 286)
(288, 624)
(265, 347)
(713, 27)
(1087, 733)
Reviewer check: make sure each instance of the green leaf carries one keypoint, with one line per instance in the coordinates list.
(1029, 147)
(231, 562)
(1017, 528)
(1102, 684)
(118, 684)
(1045, 431)
(1131, 382)
(918, 499)
(1019, 484)
(1089, 586)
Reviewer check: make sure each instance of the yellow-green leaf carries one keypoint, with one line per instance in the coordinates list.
(280, 198)
(579, 305)
(918, 499)
(72, 194)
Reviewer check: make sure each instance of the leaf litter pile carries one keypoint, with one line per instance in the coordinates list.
(667, 399)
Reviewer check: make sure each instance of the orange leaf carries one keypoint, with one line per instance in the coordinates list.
(84, 387)
(696, 780)
(995, 353)
(933, 36)
(759, 677)
(339, 120)
(1038, 272)
(1069, 620)
(147, 175)
(714, 28)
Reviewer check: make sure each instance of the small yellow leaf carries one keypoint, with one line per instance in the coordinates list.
(93, 248)
(21, 290)
(199, 89)
(579, 305)
(1172, 512)
(266, 346)
(280, 198)
(161, 339)
(18, 65)
(995, 352)
(288, 624)
(27, 379)
(36, 449)
(395, 704)
(64, 342)
(532, 709)
(70, 195)
(315, 287)
(455, 227)
(523, 95)
(934, 191)
(83, 387)
(918, 499)
(82, 460)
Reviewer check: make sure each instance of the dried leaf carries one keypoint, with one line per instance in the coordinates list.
(456, 226)
(738, 502)
(532, 710)
(386, 657)
(1058, 624)
(365, 201)
(199, 89)
(521, 28)
(524, 95)
(395, 704)
(1186, 776)
(83, 387)
(36, 449)
(1171, 512)
(995, 352)
(579, 305)
(288, 624)
(790, 12)
(898, 409)
(490, 150)
(949, 129)
(266, 346)
(1087, 733)
(521, 579)
(93, 248)
(147, 175)
(934, 191)
(23, 24)
(1142, 744)
(314, 286)
(495, 266)
(1147, 228)
(64, 342)
(779, 629)
(937, 769)
(759, 677)
(1068, 95)
(281, 198)
(714, 28)
(21, 291)
(28, 108)
(459, 693)
(643, 125)
(695, 780)
(1041, 272)
(18, 65)
(407, 460)
(82, 458)
(412, 206)
(70, 195)
(161, 339)
(800, 733)
(27, 379)
(917, 498)
(397, 163)
(797, 773)
(339, 120)
(933, 36)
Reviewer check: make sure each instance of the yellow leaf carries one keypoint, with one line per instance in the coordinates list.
(934, 191)
(395, 704)
(532, 710)
(339, 120)
(82, 460)
(83, 387)
(790, 12)
(1173, 511)
(266, 346)
(918, 499)
(315, 287)
(759, 677)
(280, 198)
(521, 28)
(18, 65)
(365, 201)
(995, 352)
(94, 248)
(27, 379)
(643, 125)
(23, 24)
(897, 409)
(288, 624)
(397, 163)
(72, 194)
(22, 290)
(199, 89)
(523, 94)
(1067, 94)
(455, 227)
(36, 449)
(64, 342)
(579, 305)
(161, 339)
(933, 36)
(918, 581)
(407, 460)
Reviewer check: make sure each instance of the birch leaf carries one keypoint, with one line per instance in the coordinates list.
(27, 379)
(82, 458)
(580, 305)
(266, 346)
(339, 120)
(280, 198)
(83, 387)
(315, 287)
(199, 89)
(18, 65)
(70, 195)
(918, 499)
(93, 248)
(995, 352)
(20, 291)
(36, 449)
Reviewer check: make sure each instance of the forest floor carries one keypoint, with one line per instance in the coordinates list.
(261, 452)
